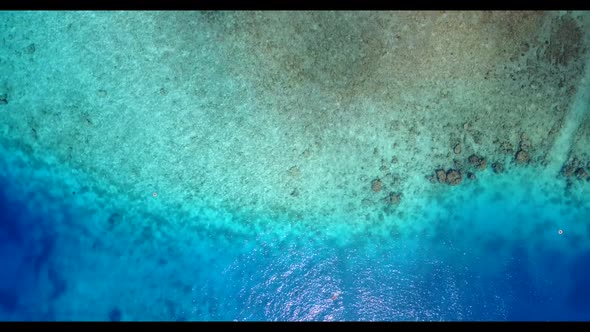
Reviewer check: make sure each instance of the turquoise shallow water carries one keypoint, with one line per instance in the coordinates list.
(153, 168)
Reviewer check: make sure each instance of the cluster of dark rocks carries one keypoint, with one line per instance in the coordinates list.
(376, 185)
(575, 168)
(393, 198)
(451, 176)
(497, 167)
(522, 156)
(454, 176)
(388, 177)
(477, 162)
(506, 147)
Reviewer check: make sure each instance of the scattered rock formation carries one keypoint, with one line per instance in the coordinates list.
(525, 142)
(478, 162)
(522, 157)
(581, 174)
(432, 178)
(453, 177)
(376, 185)
(394, 198)
(498, 168)
(366, 202)
(575, 167)
(397, 180)
(294, 171)
(114, 220)
(506, 147)
(441, 175)
(30, 49)
(572, 167)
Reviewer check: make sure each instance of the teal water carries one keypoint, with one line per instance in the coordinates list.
(121, 146)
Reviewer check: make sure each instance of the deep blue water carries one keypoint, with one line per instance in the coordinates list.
(458, 271)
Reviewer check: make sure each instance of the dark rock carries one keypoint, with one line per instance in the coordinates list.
(453, 177)
(473, 160)
(295, 192)
(294, 171)
(571, 167)
(482, 164)
(477, 135)
(581, 174)
(388, 178)
(115, 315)
(366, 202)
(522, 157)
(568, 170)
(471, 176)
(306, 154)
(376, 185)
(498, 168)
(3, 99)
(394, 198)
(431, 178)
(506, 147)
(441, 175)
(477, 161)
(396, 180)
(525, 142)
(114, 219)
(394, 160)
(30, 49)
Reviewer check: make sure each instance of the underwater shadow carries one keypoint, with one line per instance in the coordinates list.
(24, 257)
